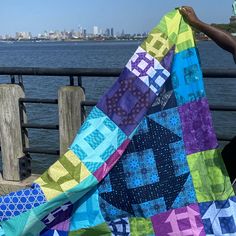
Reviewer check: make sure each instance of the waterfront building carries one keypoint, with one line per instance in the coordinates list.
(112, 32)
(95, 30)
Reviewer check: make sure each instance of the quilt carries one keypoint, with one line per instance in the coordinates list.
(145, 162)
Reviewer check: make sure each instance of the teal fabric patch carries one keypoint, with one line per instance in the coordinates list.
(30, 221)
(99, 139)
(187, 78)
(87, 212)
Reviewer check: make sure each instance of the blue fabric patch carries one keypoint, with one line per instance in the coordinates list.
(187, 77)
(219, 217)
(15, 203)
(140, 169)
(137, 183)
(99, 139)
(150, 208)
(120, 227)
(87, 212)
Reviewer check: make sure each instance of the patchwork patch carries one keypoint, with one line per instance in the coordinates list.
(197, 127)
(101, 230)
(54, 233)
(58, 219)
(148, 69)
(157, 44)
(219, 217)
(127, 101)
(182, 221)
(120, 227)
(139, 179)
(98, 141)
(165, 100)
(63, 175)
(187, 77)
(141, 227)
(181, 36)
(86, 212)
(209, 175)
(107, 166)
(15, 203)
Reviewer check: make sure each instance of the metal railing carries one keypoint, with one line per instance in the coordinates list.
(75, 77)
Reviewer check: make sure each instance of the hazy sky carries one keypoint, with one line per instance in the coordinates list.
(131, 15)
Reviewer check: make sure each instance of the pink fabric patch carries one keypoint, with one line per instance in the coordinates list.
(63, 226)
(183, 221)
(107, 166)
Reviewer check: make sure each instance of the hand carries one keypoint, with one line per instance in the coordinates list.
(189, 14)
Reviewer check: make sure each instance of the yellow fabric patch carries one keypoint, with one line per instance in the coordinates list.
(63, 175)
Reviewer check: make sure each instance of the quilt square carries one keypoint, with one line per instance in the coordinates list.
(120, 227)
(15, 203)
(178, 222)
(148, 69)
(64, 174)
(138, 172)
(127, 101)
(98, 140)
(150, 163)
(210, 178)
(141, 227)
(182, 36)
(157, 44)
(197, 127)
(219, 217)
(187, 77)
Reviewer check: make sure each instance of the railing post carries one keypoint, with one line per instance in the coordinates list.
(70, 114)
(10, 132)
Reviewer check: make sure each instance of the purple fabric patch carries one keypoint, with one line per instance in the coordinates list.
(197, 127)
(127, 101)
(181, 221)
(59, 218)
(167, 60)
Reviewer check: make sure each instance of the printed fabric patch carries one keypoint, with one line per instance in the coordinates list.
(210, 178)
(219, 217)
(136, 186)
(15, 203)
(99, 138)
(197, 127)
(181, 221)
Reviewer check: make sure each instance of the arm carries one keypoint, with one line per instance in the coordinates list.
(222, 38)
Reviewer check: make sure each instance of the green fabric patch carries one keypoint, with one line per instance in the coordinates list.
(102, 230)
(141, 227)
(210, 178)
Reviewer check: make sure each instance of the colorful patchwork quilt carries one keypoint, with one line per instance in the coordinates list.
(145, 161)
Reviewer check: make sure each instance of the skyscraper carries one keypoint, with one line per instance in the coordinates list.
(95, 30)
(112, 32)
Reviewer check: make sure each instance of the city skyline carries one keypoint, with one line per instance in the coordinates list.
(131, 16)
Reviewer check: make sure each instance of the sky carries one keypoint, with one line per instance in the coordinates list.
(134, 16)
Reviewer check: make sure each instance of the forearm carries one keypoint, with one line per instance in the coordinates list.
(222, 38)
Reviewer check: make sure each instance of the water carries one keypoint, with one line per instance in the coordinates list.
(93, 55)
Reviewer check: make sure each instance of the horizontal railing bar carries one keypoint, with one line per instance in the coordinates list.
(88, 103)
(223, 108)
(97, 72)
(38, 100)
(219, 73)
(37, 71)
(39, 126)
(41, 151)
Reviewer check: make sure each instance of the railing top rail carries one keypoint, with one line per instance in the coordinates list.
(97, 72)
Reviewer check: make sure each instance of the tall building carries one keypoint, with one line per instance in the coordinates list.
(107, 32)
(95, 30)
(84, 33)
(112, 32)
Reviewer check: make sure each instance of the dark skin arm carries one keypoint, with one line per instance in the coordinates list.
(222, 38)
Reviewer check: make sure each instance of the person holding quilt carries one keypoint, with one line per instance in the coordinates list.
(228, 43)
